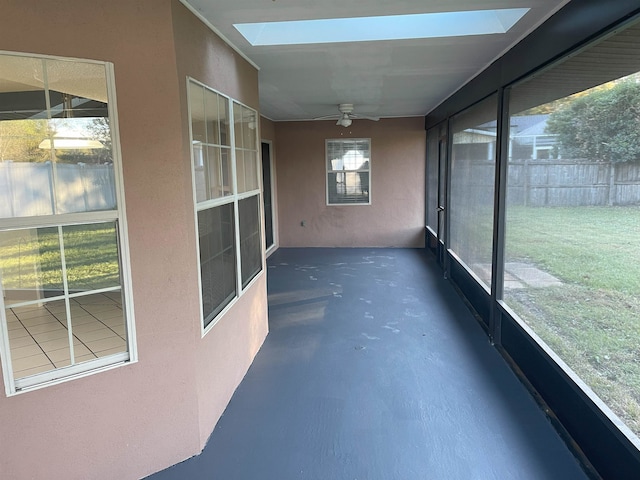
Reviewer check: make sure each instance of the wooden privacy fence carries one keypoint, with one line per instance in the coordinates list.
(28, 189)
(571, 183)
(554, 182)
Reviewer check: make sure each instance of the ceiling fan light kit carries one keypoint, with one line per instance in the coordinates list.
(344, 121)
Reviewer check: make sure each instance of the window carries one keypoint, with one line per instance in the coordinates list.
(63, 267)
(472, 187)
(250, 246)
(227, 196)
(348, 171)
(572, 235)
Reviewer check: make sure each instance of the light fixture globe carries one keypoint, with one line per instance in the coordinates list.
(70, 139)
(344, 120)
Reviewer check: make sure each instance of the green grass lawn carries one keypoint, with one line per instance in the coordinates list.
(31, 259)
(592, 321)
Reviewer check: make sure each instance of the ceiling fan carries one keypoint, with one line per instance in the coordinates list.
(346, 115)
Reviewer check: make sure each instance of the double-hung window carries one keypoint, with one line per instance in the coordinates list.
(63, 259)
(348, 165)
(227, 197)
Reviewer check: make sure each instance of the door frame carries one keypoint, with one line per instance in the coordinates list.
(272, 196)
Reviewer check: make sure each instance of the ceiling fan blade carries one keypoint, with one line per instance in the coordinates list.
(328, 117)
(365, 117)
(346, 115)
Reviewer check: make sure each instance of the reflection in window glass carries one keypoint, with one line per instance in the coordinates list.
(245, 124)
(97, 323)
(246, 148)
(241, 177)
(219, 172)
(55, 159)
(472, 187)
(60, 277)
(31, 270)
(251, 170)
(41, 332)
(210, 143)
(30, 327)
(223, 112)
(572, 247)
(91, 256)
(212, 117)
(196, 106)
(30, 264)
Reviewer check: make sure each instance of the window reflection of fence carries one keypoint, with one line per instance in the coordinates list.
(28, 189)
(558, 183)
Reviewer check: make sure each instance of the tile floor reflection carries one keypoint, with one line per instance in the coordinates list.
(40, 339)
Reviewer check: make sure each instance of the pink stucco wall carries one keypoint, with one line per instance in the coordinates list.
(224, 354)
(267, 129)
(133, 420)
(395, 217)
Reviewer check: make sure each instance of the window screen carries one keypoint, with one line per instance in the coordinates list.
(217, 259)
(250, 245)
(473, 162)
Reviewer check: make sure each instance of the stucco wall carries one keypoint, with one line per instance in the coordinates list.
(267, 129)
(225, 353)
(133, 420)
(395, 217)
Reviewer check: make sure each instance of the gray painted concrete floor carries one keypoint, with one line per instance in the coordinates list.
(375, 370)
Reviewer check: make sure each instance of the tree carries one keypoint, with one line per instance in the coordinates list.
(601, 126)
(90, 129)
(19, 140)
(100, 130)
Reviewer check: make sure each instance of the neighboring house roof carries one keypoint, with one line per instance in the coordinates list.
(528, 125)
(474, 135)
(481, 131)
(524, 129)
(521, 125)
(529, 128)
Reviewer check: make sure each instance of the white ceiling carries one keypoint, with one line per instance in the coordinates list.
(382, 78)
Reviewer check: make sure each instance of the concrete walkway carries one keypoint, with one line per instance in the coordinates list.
(518, 275)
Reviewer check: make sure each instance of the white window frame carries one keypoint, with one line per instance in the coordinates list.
(328, 171)
(234, 198)
(53, 377)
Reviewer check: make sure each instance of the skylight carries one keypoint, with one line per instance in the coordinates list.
(391, 27)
